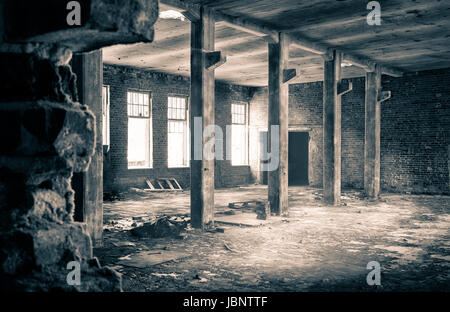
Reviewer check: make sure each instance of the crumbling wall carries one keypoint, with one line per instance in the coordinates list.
(47, 135)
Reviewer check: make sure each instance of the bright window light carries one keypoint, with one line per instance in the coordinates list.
(239, 132)
(178, 132)
(171, 14)
(139, 130)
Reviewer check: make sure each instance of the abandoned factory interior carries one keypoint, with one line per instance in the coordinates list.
(225, 146)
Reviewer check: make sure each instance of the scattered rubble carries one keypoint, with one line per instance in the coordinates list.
(161, 227)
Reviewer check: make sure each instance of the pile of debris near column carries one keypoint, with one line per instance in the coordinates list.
(261, 208)
(162, 227)
(151, 227)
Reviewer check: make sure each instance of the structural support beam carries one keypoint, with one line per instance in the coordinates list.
(278, 117)
(88, 185)
(271, 35)
(333, 89)
(373, 99)
(214, 59)
(202, 116)
(289, 74)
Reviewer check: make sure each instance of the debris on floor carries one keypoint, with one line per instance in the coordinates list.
(123, 244)
(246, 204)
(261, 208)
(245, 219)
(161, 227)
(149, 258)
(263, 211)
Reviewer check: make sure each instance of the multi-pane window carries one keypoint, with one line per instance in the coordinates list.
(239, 131)
(105, 115)
(139, 130)
(178, 132)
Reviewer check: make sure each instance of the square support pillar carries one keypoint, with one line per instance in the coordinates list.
(373, 98)
(202, 106)
(88, 185)
(278, 116)
(332, 130)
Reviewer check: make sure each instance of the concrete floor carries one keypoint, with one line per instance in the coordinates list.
(318, 248)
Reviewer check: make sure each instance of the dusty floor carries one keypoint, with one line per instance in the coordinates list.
(318, 248)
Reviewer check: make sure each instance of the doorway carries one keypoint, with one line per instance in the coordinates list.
(298, 158)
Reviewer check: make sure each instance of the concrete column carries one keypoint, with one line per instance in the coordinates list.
(374, 96)
(333, 89)
(203, 62)
(278, 116)
(88, 185)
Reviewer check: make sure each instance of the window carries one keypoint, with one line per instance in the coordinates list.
(139, 130)
(239, 135)
(105, 115)
(178, 132)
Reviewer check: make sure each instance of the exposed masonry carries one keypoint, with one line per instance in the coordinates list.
(415, 138)
(120, 79)
(414, 129)
(47, 136)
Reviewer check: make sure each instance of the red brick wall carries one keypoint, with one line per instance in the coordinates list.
(415, 131)
(120, 79)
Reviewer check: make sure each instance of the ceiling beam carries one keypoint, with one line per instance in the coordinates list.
(295, 40)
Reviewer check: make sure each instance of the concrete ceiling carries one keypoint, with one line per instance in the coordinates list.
(413, 35)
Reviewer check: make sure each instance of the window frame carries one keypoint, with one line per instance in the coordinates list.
(186, 121)
(246, 127)
(106, 116)
(150, 118)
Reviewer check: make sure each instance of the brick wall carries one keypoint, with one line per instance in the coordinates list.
(120, 79)
(415, 133)
(415, 127)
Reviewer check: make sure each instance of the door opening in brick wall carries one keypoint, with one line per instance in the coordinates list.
(298, 158)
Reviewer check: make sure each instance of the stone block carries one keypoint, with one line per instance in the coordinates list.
(102, 23)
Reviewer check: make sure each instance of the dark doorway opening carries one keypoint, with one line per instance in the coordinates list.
(263, 142)
(298, 158)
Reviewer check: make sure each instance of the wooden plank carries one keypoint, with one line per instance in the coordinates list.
(202, 105)
(177, 184)
(169, 184)
(89, 70)
(149, 183)
(332, 130)
(300, 42)
(372, 134)
(278, 116)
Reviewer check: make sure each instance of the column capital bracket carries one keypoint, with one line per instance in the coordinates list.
(344, 87)
(214, 59)
(383, 96)
(289, 74)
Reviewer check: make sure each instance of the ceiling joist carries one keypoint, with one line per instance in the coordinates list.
(295, 40)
